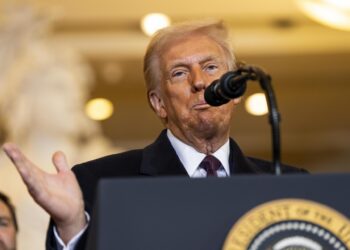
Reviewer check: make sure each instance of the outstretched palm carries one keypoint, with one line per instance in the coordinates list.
(59, 194)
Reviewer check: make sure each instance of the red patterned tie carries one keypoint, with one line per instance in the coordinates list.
(210, 164)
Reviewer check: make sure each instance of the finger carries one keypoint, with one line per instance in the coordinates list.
(60, 161)
(22, 164)
(27, 170)
(10, 149)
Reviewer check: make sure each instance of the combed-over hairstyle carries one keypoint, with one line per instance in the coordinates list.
(215, 30)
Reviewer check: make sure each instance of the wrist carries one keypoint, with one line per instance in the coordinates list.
(67, 230)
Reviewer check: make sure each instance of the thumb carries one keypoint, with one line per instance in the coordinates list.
(60, 161)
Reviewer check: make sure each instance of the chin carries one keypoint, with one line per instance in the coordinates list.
(212, 127)
(207, 129)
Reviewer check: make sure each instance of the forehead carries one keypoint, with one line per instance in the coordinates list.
(4, 210)
(191, 49)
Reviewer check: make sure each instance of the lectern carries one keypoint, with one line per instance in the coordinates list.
(240, 212)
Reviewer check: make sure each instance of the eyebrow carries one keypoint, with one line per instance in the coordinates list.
(186, 62)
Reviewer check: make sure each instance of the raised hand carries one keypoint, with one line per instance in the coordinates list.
(59, 194)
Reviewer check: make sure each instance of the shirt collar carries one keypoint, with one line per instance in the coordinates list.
(191, 158)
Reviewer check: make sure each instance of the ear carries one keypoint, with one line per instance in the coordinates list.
(157, 103)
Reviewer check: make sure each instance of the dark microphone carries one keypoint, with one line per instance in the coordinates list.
(231, 85)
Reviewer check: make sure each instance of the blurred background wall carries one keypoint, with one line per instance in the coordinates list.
(56, 56)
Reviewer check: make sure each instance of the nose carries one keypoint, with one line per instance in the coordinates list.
(198, 79)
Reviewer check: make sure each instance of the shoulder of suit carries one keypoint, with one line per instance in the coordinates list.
(267, 167)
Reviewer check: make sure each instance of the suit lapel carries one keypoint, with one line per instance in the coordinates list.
(160, 158)
(240, 164)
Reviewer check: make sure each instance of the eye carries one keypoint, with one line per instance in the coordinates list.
(178, 75)
(4, 223)
(211, 68)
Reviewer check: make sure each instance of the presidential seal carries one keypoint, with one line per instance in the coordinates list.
(290, 224)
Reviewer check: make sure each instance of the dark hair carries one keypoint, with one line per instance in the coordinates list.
(5, 199)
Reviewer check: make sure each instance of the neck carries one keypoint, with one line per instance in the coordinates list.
(206, 143)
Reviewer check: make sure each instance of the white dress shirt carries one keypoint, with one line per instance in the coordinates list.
(189, 157)
(73, 242)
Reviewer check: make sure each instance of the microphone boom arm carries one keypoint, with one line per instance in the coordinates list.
(255, 73)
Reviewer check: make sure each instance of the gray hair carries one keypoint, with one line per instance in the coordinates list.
(215, 30)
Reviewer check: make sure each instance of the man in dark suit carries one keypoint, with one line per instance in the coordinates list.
(180, 62)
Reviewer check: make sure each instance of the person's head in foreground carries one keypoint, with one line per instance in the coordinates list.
(8, 224)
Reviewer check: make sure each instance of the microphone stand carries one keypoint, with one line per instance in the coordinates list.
(274, 117)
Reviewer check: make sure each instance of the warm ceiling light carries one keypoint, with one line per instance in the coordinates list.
(153, 22)
(332, 13)
(256, 104)
(99, 109)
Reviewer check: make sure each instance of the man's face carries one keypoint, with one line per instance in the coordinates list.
(188, 66)
(7, 229)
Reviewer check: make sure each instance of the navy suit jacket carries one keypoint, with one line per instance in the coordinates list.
(156, 160)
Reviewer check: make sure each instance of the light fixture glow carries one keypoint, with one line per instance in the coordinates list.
(332, 13)
(256, 104)
(151, 23)
(99, 109)
(339, 3)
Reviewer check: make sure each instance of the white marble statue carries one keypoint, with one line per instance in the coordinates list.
(43, 89)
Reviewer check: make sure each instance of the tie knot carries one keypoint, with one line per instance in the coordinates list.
(210, 164)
